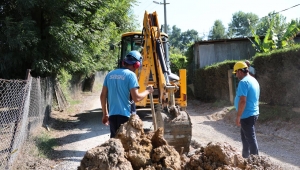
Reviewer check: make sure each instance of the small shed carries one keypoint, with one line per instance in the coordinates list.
(213, 51)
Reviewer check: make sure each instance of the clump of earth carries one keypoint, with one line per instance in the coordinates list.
(133, 149)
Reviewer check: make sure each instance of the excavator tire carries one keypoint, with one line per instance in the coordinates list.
(177, 131)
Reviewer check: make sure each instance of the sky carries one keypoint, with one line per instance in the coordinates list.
(200, 15)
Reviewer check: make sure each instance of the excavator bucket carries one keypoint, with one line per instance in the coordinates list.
(177, 131)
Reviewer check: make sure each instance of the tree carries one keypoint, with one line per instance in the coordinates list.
(188, 37)
(272, 41)
(182, 40)
(218, 31)
(46, 36)
(279, 26)
(240, 24)
(174, 36)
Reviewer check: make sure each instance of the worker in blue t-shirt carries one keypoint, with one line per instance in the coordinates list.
(250, 68)
(118, 85)
(247, 105)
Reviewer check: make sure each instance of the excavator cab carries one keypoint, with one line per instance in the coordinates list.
(130, 41)
(134, 41)
(169, 101)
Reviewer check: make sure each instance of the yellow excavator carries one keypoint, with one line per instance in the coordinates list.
(169, 100)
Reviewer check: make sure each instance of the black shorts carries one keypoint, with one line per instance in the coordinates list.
(115, 122)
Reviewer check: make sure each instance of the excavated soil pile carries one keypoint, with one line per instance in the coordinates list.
(134, 149)
(109, 155)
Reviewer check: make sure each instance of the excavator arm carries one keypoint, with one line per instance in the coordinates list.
(168, 101)
(153, 58)
(169, 112)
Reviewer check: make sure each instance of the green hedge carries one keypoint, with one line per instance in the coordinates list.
(211, 82)
(278, 74)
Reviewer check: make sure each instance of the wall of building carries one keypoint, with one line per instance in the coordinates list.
(213, 52)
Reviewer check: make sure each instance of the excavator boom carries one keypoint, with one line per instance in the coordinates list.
(168, 102)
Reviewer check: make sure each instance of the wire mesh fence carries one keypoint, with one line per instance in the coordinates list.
(24, 106)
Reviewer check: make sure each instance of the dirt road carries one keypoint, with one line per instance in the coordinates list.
(217, 124)
(86, 131)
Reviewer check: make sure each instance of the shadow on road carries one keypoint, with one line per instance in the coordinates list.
(83, 133)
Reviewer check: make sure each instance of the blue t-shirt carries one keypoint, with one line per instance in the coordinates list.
(248, 87)
(119, 82)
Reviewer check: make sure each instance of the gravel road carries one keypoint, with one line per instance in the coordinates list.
(209, 124)
(218, 125)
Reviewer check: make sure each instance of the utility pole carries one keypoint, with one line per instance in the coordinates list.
(165, 14)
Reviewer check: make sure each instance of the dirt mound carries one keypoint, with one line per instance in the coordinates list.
(109, 155)
(135, 149)
(222, 156)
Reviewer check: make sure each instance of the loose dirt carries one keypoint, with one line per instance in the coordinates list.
(133, 149)
(215, 137)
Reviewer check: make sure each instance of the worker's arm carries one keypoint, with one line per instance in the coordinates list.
(136, 96)
(103, 99)
(241, 108)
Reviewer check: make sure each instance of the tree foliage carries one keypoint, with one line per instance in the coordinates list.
(240, 24)
(181, 40)
(272, 40)
(177, 59)
(49, 35)
(279, 24)
(174, 36)
(218, 31)
(188, 37)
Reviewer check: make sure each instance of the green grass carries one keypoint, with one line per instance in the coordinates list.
(45, 144)
(97, 87)
(74, 102)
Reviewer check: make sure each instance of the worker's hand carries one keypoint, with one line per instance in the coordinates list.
(105, 120)
(238, 121)
(150, 89)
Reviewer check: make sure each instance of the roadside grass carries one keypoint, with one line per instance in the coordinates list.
(45, 144)
(74, 102)
(279, 113)
(97, 87)
(268, 113)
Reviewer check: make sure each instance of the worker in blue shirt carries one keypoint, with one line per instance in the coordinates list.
(247, 105)
(118, 85)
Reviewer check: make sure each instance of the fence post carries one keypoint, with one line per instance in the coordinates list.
(230, 84)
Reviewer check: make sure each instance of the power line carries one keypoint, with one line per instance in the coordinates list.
(267, 15)
(288, 8)
(142, 11)
(151, 9)
(277, 12)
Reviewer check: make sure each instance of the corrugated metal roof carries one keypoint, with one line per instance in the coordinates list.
(229, 40)
(222, 40)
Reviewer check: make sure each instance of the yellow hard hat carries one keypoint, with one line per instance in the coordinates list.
(239, 65)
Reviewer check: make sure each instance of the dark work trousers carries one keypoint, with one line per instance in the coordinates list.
(133, 107)
(115, 122)
(248, 136)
